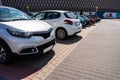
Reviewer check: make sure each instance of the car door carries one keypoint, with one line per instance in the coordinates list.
(51, 18)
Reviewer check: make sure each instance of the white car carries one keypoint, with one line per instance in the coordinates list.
(65, 23)
(21, 35)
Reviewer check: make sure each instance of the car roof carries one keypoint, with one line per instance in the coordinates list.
(6, 7)
(60, 11)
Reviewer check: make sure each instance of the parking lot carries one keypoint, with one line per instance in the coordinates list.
(102, 66)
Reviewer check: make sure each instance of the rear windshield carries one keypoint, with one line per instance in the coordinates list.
(70, 15)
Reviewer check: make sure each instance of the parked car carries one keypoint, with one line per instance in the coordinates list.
(21, 35)
(93, 17)
(65, 23)
(88, 22)
(83, 21)
(92, 20)
(96, 16)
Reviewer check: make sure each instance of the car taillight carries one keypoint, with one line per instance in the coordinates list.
(68, 22)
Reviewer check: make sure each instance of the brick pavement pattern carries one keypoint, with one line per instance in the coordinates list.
(97, 57)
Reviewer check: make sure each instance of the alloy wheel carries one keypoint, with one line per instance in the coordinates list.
(2, 55)
(61, 34)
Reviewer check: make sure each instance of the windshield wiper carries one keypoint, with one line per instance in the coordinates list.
(19, 19)
(14, 20)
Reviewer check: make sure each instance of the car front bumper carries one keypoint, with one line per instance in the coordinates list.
(33, 45)
(38, 49)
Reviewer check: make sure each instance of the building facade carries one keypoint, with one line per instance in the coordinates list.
(0, 3)
(73, 5)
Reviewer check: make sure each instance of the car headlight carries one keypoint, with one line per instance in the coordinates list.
(18, 33)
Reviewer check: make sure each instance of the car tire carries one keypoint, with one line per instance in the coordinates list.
(61, 33)
(5, 56)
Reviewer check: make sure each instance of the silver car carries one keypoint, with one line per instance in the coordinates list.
(21, 35)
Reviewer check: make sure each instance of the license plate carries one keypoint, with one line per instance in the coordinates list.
(47, 49)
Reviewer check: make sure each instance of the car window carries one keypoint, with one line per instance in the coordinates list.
(70, 15)
(7, 14)
(85, 17)
(52, 15)
(40, 16)
(81, 18)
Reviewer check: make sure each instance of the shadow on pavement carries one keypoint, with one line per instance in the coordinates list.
(70, 40)
(24, 66)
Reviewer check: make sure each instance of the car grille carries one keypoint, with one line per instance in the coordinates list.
(44, 34)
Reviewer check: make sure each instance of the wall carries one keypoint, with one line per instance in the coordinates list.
(73, 5)
(109, 15)
(0, 3)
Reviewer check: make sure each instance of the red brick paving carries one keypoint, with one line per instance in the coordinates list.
(97, 57)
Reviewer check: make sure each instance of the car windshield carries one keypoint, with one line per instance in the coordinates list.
(71, 15)
(85, 17)
(11, 14)
(81, 18)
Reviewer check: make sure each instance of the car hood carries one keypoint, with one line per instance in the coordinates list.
(27, 25)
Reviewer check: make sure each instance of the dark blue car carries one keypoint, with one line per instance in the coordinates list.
(82, 20)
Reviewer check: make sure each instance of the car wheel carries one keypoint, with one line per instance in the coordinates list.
(4, 54)
(61, 33)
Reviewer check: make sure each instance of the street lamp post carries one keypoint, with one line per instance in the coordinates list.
(96, 8)
(27, 8)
